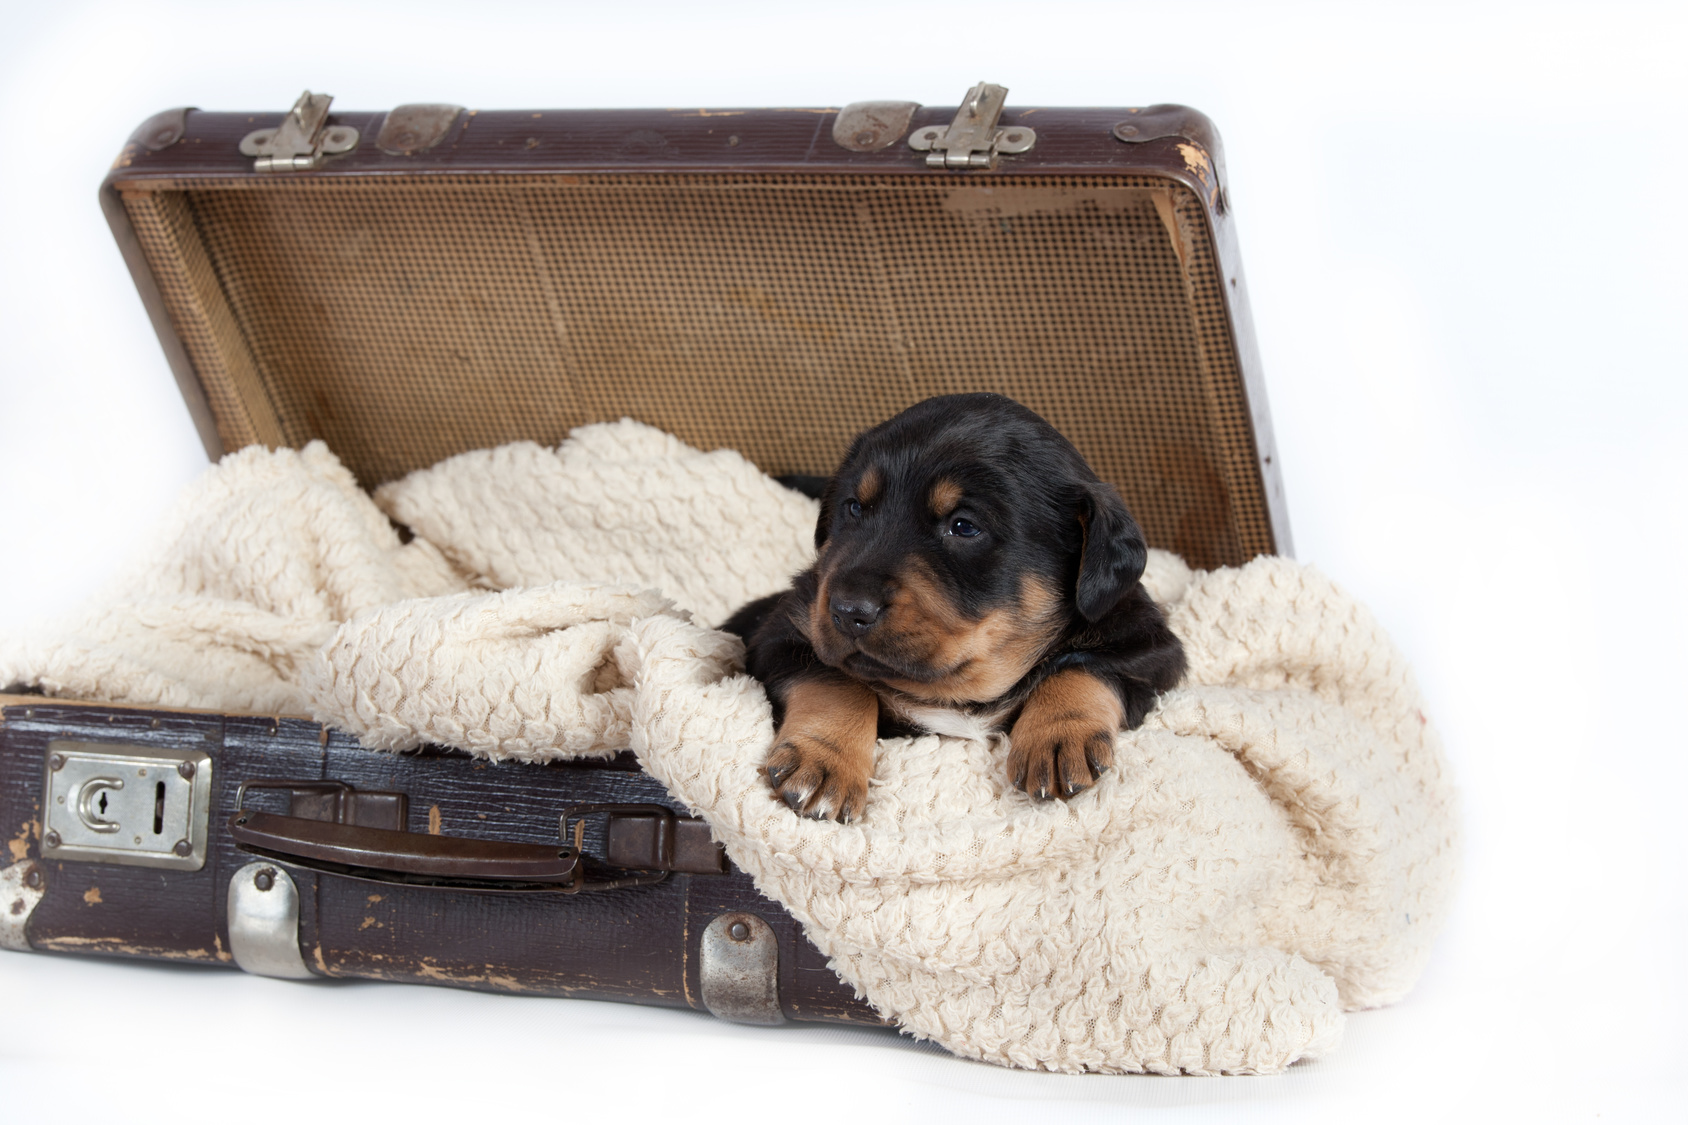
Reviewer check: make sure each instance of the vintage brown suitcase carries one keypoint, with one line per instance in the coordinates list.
(413, 284)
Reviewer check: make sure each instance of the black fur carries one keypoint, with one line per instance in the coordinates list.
(1039, 511)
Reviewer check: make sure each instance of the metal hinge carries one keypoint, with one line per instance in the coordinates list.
(264, 922)
(973, 139)
(303, 138)
(739, 969)
(22, 886)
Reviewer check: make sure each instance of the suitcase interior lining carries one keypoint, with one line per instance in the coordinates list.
(404, 322)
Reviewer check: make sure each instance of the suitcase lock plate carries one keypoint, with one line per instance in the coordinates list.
(145, 806)
(302, 140)
(973, 139)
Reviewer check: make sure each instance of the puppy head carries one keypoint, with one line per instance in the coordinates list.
(957, 541)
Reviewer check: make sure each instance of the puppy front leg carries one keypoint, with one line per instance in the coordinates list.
(1063, 740)
(823, 754)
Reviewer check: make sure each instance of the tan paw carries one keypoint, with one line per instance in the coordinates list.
(823, 754)
(817, 778)
(1063, 741)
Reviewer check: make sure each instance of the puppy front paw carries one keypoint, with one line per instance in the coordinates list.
(1063, 741)
(823, 754)
(819, 779)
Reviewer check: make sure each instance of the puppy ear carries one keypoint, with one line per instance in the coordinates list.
(1114, 552)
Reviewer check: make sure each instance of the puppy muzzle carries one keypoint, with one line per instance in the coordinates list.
(855, 616)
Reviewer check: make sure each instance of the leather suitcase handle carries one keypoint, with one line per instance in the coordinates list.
(381, 855)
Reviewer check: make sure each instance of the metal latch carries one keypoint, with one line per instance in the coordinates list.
(973, 139)
(264, 922)
(303, 138)
(22, 886)
(739, 969)
(145, 806)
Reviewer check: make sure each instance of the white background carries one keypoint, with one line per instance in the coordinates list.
(1465, 244)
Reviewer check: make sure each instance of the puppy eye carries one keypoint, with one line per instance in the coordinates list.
(853, 509)
(963, 528)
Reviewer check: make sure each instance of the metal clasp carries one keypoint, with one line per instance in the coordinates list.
(973, 139)
(739, 970)
(264, 922)
(303, 138)
(22, 886)
(145, 806)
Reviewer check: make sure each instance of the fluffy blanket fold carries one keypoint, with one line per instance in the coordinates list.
(1276, 846)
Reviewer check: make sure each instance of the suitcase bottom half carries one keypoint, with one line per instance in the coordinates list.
(275, 845)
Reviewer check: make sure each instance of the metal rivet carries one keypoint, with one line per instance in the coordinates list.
(51, 839)
(156, 723)
(732, 140)
(265, 879)
(186, 769)
(1123, 130)
(738, 931)
(55, 762)
(183, 848)
(33, 879)
(137, 841)
(29, 712)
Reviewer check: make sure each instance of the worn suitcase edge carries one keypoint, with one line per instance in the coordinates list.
(185, 144)
(714, 923)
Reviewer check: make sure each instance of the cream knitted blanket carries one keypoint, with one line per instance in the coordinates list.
(1276, 846)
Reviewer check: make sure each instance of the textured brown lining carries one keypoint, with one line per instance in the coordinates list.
(404, 322)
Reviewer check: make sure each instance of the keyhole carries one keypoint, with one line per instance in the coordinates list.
(102, 804)
(158, 809)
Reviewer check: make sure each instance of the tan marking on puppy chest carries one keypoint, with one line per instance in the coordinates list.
(977, 659)
(944, 498)
(867, 489)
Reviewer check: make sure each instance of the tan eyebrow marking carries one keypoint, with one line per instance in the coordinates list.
(867, 490)
(945, 496)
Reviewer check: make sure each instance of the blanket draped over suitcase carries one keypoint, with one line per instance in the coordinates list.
(1276, 846)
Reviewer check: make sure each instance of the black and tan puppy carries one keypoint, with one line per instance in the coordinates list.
(973, 575)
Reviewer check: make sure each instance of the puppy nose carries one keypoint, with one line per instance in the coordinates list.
(854, 616)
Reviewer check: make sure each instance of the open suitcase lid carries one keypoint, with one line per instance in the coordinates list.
(413, 284)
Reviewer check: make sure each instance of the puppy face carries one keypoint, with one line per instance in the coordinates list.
(956, 543)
